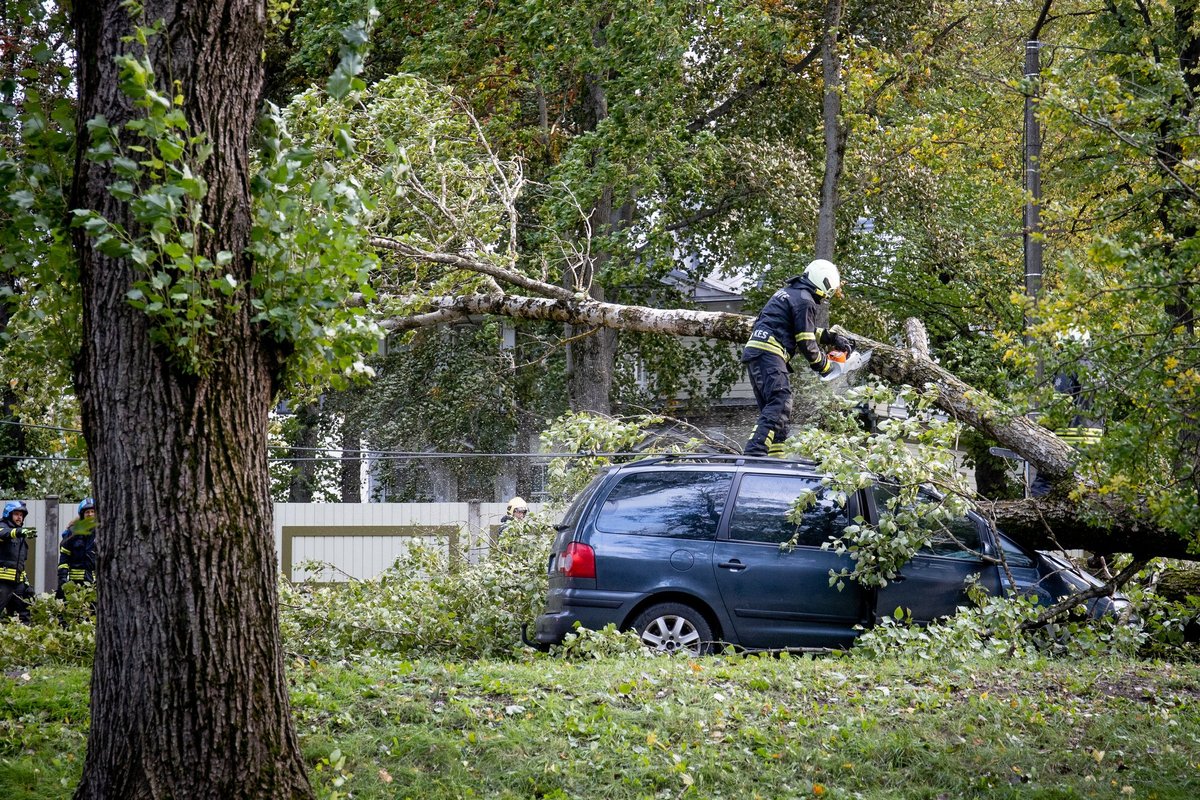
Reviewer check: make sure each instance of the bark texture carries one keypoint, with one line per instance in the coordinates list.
(1052, 522)
(189, 697)
(304, 450)
(834, 132)
(591, 350)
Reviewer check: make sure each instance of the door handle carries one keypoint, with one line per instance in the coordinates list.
(733, 565)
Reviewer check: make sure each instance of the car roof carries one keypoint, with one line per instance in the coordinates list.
(803, 466)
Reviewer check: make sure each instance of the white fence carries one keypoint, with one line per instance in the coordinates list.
(356, 540)
(360, 540)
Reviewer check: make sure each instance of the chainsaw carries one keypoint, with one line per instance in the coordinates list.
(844, 363)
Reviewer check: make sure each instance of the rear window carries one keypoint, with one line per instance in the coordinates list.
(673, 503)
(571, 518)
(760, 513)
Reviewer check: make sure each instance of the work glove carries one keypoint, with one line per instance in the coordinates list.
(27, 533)
(842, 343)
(836, 370)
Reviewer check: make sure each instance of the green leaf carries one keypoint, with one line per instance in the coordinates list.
(23, 198)
(169, 149)
(122, 190)
(345, 143)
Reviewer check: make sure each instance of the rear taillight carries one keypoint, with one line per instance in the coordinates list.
(577, 561)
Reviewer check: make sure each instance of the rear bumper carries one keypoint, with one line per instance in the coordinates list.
(588, 608)
(536, 645)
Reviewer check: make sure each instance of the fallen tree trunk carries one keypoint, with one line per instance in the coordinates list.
(1100, 524)
(1050, 523)
(1040, 447)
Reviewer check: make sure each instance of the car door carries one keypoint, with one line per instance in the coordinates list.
(781, 597)
(934, 583)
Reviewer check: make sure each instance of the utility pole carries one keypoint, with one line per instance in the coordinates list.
(1032, 228)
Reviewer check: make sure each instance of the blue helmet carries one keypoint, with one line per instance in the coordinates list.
(85, 504)
(11, 506)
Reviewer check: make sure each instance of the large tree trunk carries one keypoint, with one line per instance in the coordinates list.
(592, 350)
(835, 141)
(350, 466)
(304, 451)
(189, 697)
(834, 131)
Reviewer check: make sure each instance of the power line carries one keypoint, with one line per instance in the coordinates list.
(40, 427)
(387, 456)
(366, 453)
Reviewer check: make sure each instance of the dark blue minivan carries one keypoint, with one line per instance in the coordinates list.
(685, 549)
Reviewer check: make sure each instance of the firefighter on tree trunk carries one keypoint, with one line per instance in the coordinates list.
(786, 323)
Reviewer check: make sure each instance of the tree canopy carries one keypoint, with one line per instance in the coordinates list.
(177, 256)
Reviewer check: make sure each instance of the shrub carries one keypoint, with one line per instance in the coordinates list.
(63, 632)
(424, 605)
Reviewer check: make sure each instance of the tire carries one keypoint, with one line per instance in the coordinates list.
(672, 627)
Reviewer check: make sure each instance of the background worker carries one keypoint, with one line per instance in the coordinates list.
(786, 323)
(516, 510)
(15, 591)
(77, 552)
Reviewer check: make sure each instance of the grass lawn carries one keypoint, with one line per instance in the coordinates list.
(709, 728)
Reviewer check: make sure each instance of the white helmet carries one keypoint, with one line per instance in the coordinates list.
(823, 275)
(517, 504)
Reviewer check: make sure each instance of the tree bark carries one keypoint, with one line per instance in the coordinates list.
(1049, 523)
(591, 350)
(304, 450)
(834, 131)
(350, 466)
(189, 697)
(835, 141)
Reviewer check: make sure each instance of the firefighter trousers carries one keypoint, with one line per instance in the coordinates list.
(773, 393)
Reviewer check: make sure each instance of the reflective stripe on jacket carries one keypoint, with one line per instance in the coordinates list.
(14, 548)
(77, 558)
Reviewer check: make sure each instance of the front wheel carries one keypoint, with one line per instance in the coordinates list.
(671, 627)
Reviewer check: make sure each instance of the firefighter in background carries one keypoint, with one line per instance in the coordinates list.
(786, 323)
(1084, 429)
(77, 552)
(517, 509)
(15, 591)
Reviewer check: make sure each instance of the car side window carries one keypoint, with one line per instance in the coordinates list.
(676, 503)
(956, 538)
(764, 502)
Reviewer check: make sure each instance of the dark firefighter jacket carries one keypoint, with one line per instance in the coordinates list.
(1084, 429)
(789, 322)
(14, 548)
(77, 558)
